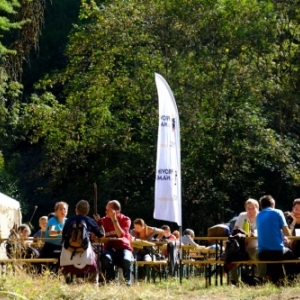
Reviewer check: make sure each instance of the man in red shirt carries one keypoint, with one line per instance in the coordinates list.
(118, 252)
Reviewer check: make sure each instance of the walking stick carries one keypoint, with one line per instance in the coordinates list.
(95, 198)
(98, 246)
(29, 223)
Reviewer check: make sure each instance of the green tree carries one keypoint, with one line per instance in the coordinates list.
(98, 119)
(7, 8)
(20, 24)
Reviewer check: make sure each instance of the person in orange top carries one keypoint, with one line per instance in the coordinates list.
(176, 233)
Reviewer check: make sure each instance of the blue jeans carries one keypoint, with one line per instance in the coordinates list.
(121, 258)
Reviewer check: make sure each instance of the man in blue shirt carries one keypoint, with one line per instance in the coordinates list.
(271, 225)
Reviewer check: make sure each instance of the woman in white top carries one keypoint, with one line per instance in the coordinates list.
(252, 209)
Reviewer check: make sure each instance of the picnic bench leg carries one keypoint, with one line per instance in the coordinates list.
(206, 275)
(187, 270)
(148, 273)
(180, 271)
(136, 271)
(221, 266)
(216, 267)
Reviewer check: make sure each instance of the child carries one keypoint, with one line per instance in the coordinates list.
(38, 236)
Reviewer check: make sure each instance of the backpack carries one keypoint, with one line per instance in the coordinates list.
(76, 239)
(232, 250)
(235, 249)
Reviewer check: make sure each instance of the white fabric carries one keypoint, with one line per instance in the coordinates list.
(239, 223)
(79, 260)
(167, 205)
(10, 214)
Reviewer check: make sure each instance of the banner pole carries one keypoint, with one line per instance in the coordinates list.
(180, 257)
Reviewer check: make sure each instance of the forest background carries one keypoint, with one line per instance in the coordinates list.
(78, 103)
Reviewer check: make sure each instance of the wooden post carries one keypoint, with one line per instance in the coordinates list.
(95, 198)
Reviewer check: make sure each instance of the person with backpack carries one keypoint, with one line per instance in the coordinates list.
(77, 256)
(119, 251)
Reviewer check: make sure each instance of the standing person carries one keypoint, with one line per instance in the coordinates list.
(251, 246)
(52, 246)
(293, 221)
(81, 262)
(270, 224)
(119, 252)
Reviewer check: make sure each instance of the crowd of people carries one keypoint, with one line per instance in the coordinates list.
(52, 241)
(271, 226)
(273, 230)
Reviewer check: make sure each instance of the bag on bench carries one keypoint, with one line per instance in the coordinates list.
(235, 249)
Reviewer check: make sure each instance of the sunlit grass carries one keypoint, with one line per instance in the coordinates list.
(28, 287)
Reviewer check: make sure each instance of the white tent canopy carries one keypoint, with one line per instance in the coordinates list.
(9, 202)
(10, 214)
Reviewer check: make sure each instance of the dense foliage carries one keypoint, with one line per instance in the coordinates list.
(88, 112)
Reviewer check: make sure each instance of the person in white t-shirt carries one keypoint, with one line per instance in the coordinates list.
(252, 209)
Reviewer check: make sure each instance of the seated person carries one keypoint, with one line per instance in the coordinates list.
(167, 235)
(116, 252)
(293, 221)
(251, 247)
(144, 232)
(82, 261)
(176, 233)
(188, 238)
(40, 235)
(270, 224)
(52, 246)
(51, 215)
(24, 232)
(17, 246)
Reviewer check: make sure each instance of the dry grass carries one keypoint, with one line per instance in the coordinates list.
(25, 287)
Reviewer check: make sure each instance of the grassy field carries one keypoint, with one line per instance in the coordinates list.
(24, 286)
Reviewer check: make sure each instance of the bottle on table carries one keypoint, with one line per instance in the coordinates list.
(246, 226)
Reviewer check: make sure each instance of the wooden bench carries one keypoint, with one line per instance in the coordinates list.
(152, 268)
(28, 260)
(219, 263)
